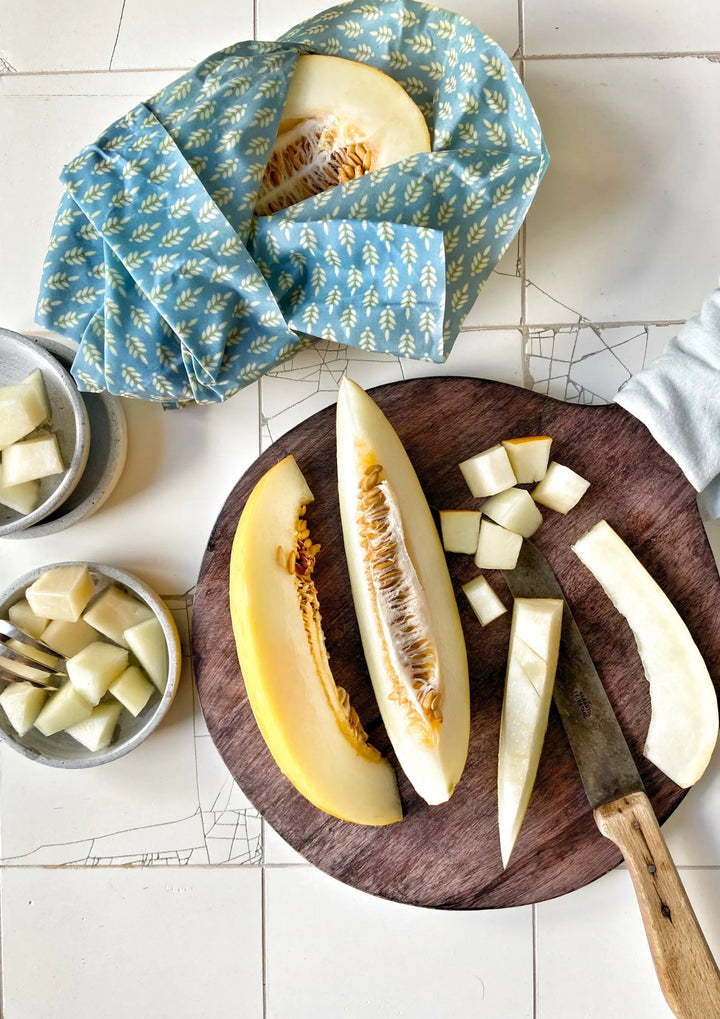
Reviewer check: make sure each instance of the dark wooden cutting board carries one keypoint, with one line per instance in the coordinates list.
(448, 856)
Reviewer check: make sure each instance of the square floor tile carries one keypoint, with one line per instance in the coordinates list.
(81, 944)
(159, 33)
(67, 35)
(334, 951)
(614, 26)
(496, 354)
(584, 937)
(626, 223)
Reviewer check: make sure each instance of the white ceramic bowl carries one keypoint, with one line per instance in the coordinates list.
(61, 750)
(69, 420)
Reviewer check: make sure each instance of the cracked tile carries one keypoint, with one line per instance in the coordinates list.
(152, 35)
(62, 36)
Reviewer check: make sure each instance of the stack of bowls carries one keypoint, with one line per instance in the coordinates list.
(91, 433)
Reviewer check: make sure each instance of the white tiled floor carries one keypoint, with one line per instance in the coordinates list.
(146, 888)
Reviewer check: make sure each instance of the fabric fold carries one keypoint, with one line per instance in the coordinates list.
(176, 291)
(677, 398)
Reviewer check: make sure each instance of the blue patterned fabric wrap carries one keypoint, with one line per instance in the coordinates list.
(176, 291)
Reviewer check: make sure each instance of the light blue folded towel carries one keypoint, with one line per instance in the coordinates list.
(678, 398)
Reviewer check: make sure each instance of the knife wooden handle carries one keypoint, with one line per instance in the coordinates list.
(686, 970)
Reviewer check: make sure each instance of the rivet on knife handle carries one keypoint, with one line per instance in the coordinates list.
(686, 970)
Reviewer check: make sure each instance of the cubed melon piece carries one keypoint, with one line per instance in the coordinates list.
(65, 708)
(22, 703)
(498, 548)
(147, 642)
(114, 612)
(133, 689)
(488, 472)
(485, 603)
(515, 510)
(560, 489)
(68, 638)
(61, 592)
(23, 406)
(96, 732)
(460, 530)
(21, 615)
(22, 498)
(529, 457)
(38, 457)
(93, 669)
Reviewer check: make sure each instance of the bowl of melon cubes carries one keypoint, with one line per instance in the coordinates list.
(44, 433)
(89, 664)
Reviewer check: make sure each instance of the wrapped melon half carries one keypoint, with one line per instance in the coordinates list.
(341, 119)
(404, 600)
(307, 721)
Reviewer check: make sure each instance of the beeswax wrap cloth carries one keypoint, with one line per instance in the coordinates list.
(176, 291)
(678, 398)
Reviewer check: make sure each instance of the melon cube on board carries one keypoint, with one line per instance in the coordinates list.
(515, 510)
(114, 612)
(21, 615)
(63, 709)
(460, 529)
(23, 406)
(561, 489)
(22, 703)
(133, 689)
(488, 472)
(61, 592)
(39, 457)
(498, 548)
(147, 642)
(68, 638)
(485, 603)
(96, 732)
(22, 498)
(529, 457)
(93, 669)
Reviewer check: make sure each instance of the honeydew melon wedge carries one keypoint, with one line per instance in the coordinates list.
(404, 600)
(306, 721)
(529, 681)
(341, 119)
(684, 710)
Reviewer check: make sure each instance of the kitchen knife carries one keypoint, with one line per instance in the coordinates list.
(685, 967)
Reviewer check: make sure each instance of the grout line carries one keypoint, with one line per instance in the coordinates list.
(255, 19)
(535, 974)
(263, 942)
(521, 30)
(117, 36)
(568, 324)
(712, 55)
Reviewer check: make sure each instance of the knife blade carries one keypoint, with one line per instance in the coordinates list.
(686, 970)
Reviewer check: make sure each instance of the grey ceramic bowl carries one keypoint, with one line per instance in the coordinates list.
(69, 420)
(106, 458)
(61, 750)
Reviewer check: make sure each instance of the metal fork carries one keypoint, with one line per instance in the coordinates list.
(18, 664)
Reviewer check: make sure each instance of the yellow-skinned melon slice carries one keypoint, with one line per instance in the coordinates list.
(306, 721)
(341, 119)
(404, 600)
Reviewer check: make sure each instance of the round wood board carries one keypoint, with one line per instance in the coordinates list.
(448, 856)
